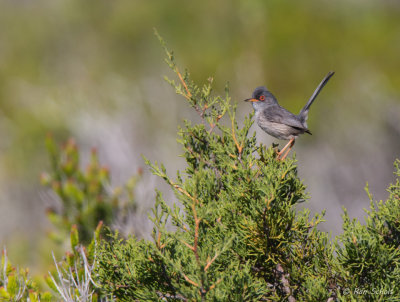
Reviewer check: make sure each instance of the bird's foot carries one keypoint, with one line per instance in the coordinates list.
(279, 156)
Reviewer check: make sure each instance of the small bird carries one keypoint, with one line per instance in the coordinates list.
(277, 121)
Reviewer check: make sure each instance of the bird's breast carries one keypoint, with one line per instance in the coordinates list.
(277, 130)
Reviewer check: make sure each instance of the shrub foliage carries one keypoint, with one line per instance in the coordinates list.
(234, 232)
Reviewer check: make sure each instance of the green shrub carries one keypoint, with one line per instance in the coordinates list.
(369, 255)
(236, 235)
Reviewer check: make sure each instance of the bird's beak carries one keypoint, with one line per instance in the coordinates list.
(251, 100)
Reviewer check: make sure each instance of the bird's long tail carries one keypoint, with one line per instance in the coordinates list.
(304, 112)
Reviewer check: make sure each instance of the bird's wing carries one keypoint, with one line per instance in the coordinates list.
(278, 114)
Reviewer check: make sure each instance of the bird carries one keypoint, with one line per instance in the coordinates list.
(279, 122)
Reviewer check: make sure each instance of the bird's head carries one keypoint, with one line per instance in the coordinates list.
(262, 98)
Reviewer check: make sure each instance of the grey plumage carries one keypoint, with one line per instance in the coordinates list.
(276, 120)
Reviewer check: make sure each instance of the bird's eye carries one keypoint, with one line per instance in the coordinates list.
(262, 98)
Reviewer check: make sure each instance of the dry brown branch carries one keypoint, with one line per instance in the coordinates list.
(188, 94)
(190, 281)
(196, 232)
(210, 262)
(188, 245)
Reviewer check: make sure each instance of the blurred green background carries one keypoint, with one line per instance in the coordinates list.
(93, 70)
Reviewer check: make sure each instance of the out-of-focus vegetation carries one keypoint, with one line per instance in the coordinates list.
(91, 70)
(72, 278)
(17, 285)
(85, 197)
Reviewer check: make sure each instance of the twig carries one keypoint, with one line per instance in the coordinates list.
(268, 202)
(204, 109)
(198, 138)
(188, 245)
(210, 262)
(212, 126)
(238, 146)
(158, 240)
(183, 191)
(190, 281)
(196, 233)
(215, 284)
(188, 93)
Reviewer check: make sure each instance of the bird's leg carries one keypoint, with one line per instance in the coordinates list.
(288, 145)
(283, 150)
(290, 148)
